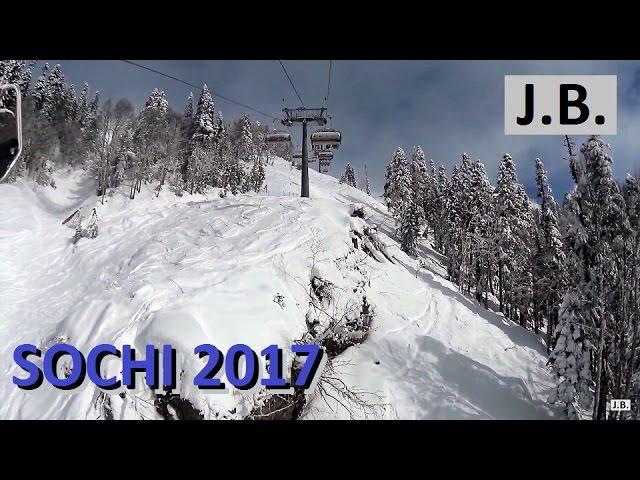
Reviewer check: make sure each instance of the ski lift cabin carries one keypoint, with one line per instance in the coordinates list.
(325, 139)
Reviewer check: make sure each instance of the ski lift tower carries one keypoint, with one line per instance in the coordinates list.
(304, 115)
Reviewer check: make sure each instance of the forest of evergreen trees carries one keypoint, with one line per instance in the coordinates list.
(188, 151)
(569, 271)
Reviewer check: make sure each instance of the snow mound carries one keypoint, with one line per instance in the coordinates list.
(204, 269)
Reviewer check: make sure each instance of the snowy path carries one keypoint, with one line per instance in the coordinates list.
(201, 269)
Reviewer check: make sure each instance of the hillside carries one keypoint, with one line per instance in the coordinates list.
(204, 269)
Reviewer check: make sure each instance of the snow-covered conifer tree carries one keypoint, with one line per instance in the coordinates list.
(410, 228)
(598, 226)
(511, 235)
(367, 184)
(420, 182)
(440, 211)
(570, 358)
(548, 268)
(397, 183)
(40, 88)
(54, 94)
(349, 176)
(246, 148)
(256, 176)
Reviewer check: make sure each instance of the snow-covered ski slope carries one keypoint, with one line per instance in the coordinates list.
(204, 269)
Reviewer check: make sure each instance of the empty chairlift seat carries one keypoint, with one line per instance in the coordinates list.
(325, 158)
(325, 139)
(278, 136)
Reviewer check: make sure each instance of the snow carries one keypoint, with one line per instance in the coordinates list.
(204, 269)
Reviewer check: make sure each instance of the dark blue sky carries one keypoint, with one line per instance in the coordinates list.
(447, 107)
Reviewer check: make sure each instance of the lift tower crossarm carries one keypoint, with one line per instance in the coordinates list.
(304, 115)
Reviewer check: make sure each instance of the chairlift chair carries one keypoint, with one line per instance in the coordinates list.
(325, 157)
(326, 139)
(279, 136)
(10, 131)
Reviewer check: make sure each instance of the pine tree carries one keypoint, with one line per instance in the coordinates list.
(188, 109)
(410, 228)
(90, 123)
(54, 96)
(479, 260)
(188, 124)
(83, 107)
(628, 371)
(440, 211)
(430, 196)
(71, 104)
(598, 226)
(511, 235)
(367, 184)
(40, 88)
(349, 177)
(549, 258)
(148, 138)
(570, 358)
(397, 183)
(235, 176)
(256, 177)
(221, 154)
(419, 182)
(458, 220)
(199, 169)
(204, 119)
(246, 150)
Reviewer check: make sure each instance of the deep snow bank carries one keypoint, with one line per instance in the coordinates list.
(204, 269)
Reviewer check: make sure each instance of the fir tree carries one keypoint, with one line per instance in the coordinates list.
(246, 150)
(397, 183)
(256, 176)
(349, 177)
(54, 97)
(410, 228)
(419, 182)
(599, 224)
(40, 88)
(570, 358)
(440, 211)
(367, 184)
(204, 121)
(511, 235)
(549, 258)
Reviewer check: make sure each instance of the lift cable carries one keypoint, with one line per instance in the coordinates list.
(291, 82)
(326, 100)
(200, 88)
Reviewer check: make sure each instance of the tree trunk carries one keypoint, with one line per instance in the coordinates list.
(599, 368)
(500, 286)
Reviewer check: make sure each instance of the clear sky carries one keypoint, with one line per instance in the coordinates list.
(447, 107)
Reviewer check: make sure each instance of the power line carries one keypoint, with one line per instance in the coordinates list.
(199, 88)
(291, 82)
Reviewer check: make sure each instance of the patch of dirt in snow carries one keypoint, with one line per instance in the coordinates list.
(202, 269)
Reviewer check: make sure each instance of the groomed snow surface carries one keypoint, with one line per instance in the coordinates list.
(204, 269)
